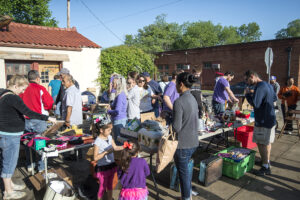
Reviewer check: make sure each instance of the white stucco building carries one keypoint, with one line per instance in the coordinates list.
(47, 49)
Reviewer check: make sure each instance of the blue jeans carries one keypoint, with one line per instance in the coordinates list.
(218, 107)
(34, 126)
(182, 158)
(117, 125)
(9, 147)
(57, 110)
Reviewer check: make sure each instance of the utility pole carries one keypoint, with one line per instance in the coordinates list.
(68, 13)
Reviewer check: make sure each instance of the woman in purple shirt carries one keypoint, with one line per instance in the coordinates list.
(132, 173)
(118, 109)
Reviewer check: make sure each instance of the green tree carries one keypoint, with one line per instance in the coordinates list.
(229, 35)
(121, 60)
(34, 12)
(292, 30)
(250, 32)
(199, 34)
(159, 36)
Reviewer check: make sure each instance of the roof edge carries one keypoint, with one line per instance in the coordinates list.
(235, 44)
(42, 27)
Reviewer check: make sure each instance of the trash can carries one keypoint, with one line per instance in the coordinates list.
(59, 190)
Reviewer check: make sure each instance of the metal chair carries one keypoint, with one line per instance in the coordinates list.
(291, 118)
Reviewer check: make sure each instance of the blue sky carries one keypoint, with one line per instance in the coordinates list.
(127, 16)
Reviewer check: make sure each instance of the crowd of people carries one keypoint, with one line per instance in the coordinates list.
(176, 101)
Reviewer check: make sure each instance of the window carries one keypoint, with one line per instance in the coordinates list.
(45, 76)
(207, 65)
(16, 68)
(160, 67)
(179, 66)
(166, 67)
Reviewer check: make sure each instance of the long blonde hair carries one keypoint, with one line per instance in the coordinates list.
(121, 85)
(17, 80)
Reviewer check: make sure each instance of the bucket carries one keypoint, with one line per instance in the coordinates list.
(51, 194)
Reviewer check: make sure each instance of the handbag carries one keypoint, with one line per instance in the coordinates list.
(166, 150)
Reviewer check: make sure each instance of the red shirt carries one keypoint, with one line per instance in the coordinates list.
(37, 98)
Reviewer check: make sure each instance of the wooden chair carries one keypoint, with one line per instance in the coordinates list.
(291, 118)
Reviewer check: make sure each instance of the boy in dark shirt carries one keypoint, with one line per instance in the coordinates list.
(262, 99)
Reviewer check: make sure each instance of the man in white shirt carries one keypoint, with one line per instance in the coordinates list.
(72, 103)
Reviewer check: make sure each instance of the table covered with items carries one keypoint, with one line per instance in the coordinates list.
(56, 140)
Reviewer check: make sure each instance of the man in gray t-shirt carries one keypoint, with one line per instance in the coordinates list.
(72, 103)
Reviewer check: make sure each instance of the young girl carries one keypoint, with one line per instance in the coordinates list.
(103, 154)
(132, 173)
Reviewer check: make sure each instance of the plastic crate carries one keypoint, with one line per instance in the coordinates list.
(235, 169)
(244, 134)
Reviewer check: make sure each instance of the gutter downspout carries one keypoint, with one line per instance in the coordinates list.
(289, 50)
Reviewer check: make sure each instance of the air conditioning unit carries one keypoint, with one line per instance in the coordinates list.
(186, 67)
(216, 66)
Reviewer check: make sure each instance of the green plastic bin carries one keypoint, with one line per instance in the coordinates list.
(235, 169)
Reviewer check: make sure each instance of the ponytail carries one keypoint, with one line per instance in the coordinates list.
(130, 149)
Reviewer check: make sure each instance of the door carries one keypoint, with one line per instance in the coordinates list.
(47, 72)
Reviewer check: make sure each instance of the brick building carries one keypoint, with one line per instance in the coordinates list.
(237, 58)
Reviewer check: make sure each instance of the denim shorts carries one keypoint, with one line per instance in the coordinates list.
(9, 147)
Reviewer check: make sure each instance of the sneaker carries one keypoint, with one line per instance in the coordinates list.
(263, 171)
(13, 195)
(18, 187)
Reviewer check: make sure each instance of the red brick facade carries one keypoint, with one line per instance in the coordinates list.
(237, 58)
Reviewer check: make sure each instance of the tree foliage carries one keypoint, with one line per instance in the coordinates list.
(162, 36)
(121, 60)
(34, 12)
(159, 36)
(292, 30)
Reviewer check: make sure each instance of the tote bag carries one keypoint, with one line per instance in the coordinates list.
(166, 150)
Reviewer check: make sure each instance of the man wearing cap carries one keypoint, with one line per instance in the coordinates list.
(222, 93)
(156, 90)
(61, 92)
(37, 98)
(275, 84)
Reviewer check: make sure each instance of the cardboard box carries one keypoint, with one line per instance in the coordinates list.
(39, 182)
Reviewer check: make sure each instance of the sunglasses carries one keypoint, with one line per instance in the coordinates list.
(129, 83)
(140, 81)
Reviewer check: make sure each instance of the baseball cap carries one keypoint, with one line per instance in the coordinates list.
(273, 78)
(219, 73)
(145, 74)
(63, 71)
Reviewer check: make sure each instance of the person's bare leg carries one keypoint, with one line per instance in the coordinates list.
(8, 185)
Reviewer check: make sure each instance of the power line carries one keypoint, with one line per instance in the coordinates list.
(139, 12)
(143, 11)
(101, 21)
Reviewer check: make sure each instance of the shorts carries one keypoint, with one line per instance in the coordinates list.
(262, 135)
(9, 154)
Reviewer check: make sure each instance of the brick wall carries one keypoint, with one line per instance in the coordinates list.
(238, 58)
